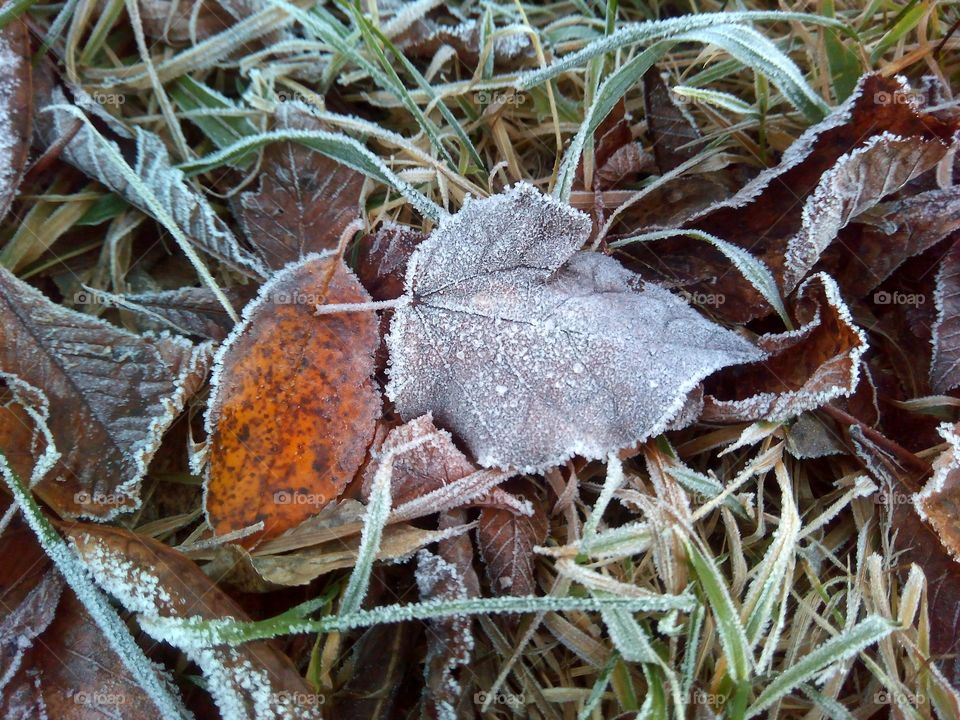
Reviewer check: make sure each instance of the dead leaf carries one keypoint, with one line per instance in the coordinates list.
(114, 395)
(16, 109)
(673, 133)
(938, 503)
(449, 641)
(425, 36)
(531, 352)
(193, 311)
(293, 402)
(383, 258)
(305, 200)
(805, 368)
(865, 150)
(250, 682)
(945, 334)
(506, 540)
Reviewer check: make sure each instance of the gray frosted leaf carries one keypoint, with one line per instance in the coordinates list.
(532, 352)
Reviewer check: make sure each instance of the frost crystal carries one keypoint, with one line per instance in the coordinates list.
(532, 352)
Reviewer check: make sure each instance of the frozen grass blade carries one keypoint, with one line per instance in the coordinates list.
(599, 687)
(114, 629)
(722, 100)
(224, 124)
(614, 480)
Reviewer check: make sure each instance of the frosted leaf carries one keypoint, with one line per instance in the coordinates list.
(114, 395)
(945, 337)
(498, 297)
(25, 622)
(193, 311)
(937, 502)
(15, 109)
(673, 132)
(147, 156)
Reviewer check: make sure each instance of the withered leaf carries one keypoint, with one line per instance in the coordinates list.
(383, 259)
(449, 641)
(115, 393)
(194, 311)
(865, 150)
(805, 368)
(305, 199)
(938, 503)
(945, 364)
(531, 352)
(670, 127)
(250, 682)
(506, 540)
(293, 402)
(16, 109)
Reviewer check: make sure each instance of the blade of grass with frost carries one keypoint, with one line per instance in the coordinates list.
(154, 205)
(752, 268)
(653, 30)
(614, 480)
(425, 86)
(609, 93)
(733, 638)
(865, 633)
(688, 666)
(224, 129)
(114, 629)
(345, 150)
(626, 540)
(830, 707)
(722, 100)
(12, 10)
(599, 687)
(704, 485)
(757, 52)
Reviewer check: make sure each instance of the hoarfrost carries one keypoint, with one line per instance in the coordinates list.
(498, 296)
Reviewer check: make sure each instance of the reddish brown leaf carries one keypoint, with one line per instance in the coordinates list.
(194, 311)
(113, 394)
(945, 365)
(805, 369)
(939, 501)
(506, 541)
(253, 680)
(16, 109)
(305, 199)
(382, 262)
(671, 129)
(293, 403)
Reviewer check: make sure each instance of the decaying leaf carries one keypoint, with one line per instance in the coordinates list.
(868, 148)
(449, 641)
(423, 37)
(383, 259)
(945, 337)
(506, 539)
(250, 682)
(531, 352)
(16, 109)
(671, 129)
(938, 502)
(114, 395)
(305, 199)
(293, 402)
(805, 368)
(193, 311)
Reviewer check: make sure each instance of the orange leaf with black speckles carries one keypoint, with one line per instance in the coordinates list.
(293, 403)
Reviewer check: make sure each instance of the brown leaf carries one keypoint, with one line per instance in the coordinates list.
(16, 109)
(672, 131)
(425, 36)
(170, 20)
(113, 394)
(939, 501)
(147, 577)
(945, 365)
(293, 402)
(449, 641)
(193, 311)
(805, 369)
(865, 150)
(506, 540)
(383, 256)
(305, 199)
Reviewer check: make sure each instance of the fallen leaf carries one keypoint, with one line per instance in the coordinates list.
(673, 133)
(250, 682)
(449, 640)
(506, 540)
(16, 109)
(305, 200)
(938, 503)
(945, 334)
(383, 258)
(530, 352)
(293, 403)
(425, 36)
(193, 311)
(804, 369)
(114, 395)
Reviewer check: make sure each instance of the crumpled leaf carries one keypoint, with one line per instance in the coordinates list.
(503, 321)
(383, 258)
(251, 682)
(425, 36)
(449, 642)
(16, 109)
(305, 200)
(865, 150)
(113, 393)
(670, 127)
(805, 368)
(938, 503)
(193, 311)
(506, 540)
(945, 336)
(293, 403)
